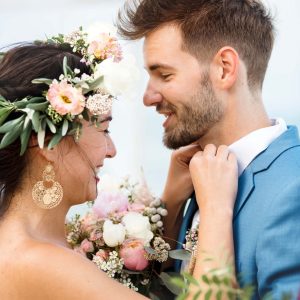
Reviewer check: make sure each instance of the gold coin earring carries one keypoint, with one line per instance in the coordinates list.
(47, 193)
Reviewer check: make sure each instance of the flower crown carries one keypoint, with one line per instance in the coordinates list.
(69, 99)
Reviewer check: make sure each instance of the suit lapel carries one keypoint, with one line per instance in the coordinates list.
(261, 163)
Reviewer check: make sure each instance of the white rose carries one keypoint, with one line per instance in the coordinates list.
(113, 234)
(108, 183)
(120, 78)
(138, 226)
(96, 29)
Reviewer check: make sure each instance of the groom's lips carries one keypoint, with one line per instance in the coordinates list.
(168, 115)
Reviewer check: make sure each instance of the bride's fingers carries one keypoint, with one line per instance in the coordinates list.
(223, 152)
(210, 150)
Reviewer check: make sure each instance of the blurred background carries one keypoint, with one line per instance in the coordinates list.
(137, 131)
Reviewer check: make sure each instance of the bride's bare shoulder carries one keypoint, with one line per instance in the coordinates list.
(59, 273)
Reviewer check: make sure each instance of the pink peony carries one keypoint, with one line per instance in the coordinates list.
(65, 98)
(87, 246)
(133, 253)
(109, 203)
(88, 222)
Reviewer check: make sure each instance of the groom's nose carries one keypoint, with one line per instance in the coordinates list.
(151, 96)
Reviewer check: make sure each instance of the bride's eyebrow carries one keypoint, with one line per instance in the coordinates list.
(107, 119)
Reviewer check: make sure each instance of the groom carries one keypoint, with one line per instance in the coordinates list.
(207, 62)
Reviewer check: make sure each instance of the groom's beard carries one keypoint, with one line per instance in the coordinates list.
(194, 117)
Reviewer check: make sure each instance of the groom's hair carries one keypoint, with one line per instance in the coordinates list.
(207, 26)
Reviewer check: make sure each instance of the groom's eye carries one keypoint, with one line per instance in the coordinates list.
(165, 76)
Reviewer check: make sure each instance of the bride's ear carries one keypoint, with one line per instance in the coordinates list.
(50, 155)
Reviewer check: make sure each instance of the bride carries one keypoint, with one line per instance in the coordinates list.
(49, 158)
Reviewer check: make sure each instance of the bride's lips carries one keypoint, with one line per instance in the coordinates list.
(97, 171)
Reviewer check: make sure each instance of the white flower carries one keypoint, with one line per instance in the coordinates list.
(108, 184)
(113, 234)
(138, 226)
(95, 30)
(120, 78)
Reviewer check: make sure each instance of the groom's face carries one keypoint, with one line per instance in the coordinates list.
(180, 88)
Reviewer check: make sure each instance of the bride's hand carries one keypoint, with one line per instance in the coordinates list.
(214, 173)
(179, 184)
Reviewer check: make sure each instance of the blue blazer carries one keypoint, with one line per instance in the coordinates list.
(266, 222)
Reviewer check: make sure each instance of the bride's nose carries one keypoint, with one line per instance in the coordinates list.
(111, 149)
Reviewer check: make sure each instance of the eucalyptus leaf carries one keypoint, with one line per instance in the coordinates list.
(9, 126)
(219, 295)
(179, 282)
(4, 113)
(171, 286)
(65, 62)
(38, 106)
(36, 121)
(26, 122)
(11, 135)
(36, 100)
(180, 254)
(51, 126)
(42, 80)
(55, 139)
(150, 250)
(25, 135)
(21, 104)
(41, 134)
(93, 85)
(65, 127)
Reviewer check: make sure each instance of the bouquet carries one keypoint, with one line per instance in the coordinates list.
(122, 232)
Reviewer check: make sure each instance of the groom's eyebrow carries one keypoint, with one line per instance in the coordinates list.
(159, 66)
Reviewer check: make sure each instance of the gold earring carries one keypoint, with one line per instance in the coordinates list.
(44, 196)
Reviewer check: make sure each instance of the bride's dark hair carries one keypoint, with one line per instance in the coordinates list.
(18, 67)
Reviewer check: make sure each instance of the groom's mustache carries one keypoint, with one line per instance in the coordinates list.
(164, 107)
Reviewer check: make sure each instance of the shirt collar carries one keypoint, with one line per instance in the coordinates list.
(249, 146)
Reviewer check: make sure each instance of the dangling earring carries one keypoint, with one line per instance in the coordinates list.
(47, 197)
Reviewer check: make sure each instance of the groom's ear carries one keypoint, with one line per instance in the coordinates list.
(225, 68)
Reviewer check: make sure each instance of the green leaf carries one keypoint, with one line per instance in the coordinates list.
(197, 295)
(9, 126)
(4, 113)
(191, 279)
(93, 85)
(216, 280)
(205, 279)
(219, 295)
(42, 80)
(36, 121)
(180, 254)
(182, 296)
(41, 134)
(11, 135)
(25, 135)
(38, 106)
(65, 63)
(85, 115)
(208, 295)
(65, 127)
(55, 139)
(51, 126)
(167, 282)
(21, 104)
(150, 250)
(36, 100)
(179, 282)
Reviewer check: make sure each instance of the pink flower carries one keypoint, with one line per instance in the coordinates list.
(87, 246)
(137, 207)
(102, 254)
(88, 222)
(105, 47)
(109, 203)
(65, 98)
(133, 253)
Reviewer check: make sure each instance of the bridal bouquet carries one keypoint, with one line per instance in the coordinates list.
(122, 232)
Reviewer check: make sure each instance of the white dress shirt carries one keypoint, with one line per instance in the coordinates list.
(247, 148)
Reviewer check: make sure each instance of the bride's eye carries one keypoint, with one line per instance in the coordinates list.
(165, 76)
